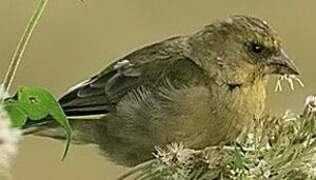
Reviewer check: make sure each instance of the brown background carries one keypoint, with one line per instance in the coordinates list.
(75, 40)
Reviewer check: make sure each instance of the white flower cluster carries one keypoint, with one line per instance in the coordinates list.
(9, 139)
(311, 102)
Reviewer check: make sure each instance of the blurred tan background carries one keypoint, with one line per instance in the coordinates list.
(75, 40)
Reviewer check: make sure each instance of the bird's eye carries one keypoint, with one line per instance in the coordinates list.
(257, 48)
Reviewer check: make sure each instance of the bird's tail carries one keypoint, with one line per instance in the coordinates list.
(83, 128)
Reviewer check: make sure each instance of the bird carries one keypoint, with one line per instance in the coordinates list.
(202, 89)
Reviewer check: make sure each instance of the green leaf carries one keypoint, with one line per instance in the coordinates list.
(15, 113)
(37, 104)
(239, 160)
(32, 101)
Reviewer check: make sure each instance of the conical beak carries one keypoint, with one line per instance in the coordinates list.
(282, 65)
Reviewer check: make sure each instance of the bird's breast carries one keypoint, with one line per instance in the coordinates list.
(235, 109)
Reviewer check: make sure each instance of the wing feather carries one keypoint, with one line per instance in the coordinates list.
(146, 67)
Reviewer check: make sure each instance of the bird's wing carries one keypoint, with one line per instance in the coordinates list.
(100, 94)
(145, 67)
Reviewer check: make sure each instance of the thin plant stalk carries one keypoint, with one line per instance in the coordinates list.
(20, 49)
(136, 169)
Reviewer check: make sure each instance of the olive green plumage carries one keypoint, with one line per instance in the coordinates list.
(201, 89)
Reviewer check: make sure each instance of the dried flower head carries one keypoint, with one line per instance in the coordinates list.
(9, 139)
(180, 162)
(289, 79)
(310, 102)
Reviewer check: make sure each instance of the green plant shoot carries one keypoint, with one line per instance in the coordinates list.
(239, 161)
(37, 104)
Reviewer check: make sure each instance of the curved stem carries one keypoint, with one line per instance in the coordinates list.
(20, 49)
(136, 169)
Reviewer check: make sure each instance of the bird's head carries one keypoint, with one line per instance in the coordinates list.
(240, 49)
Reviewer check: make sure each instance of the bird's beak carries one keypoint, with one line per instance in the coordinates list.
(282, 65)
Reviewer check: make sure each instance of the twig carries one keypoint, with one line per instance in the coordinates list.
(19, 52)
(136, 169)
